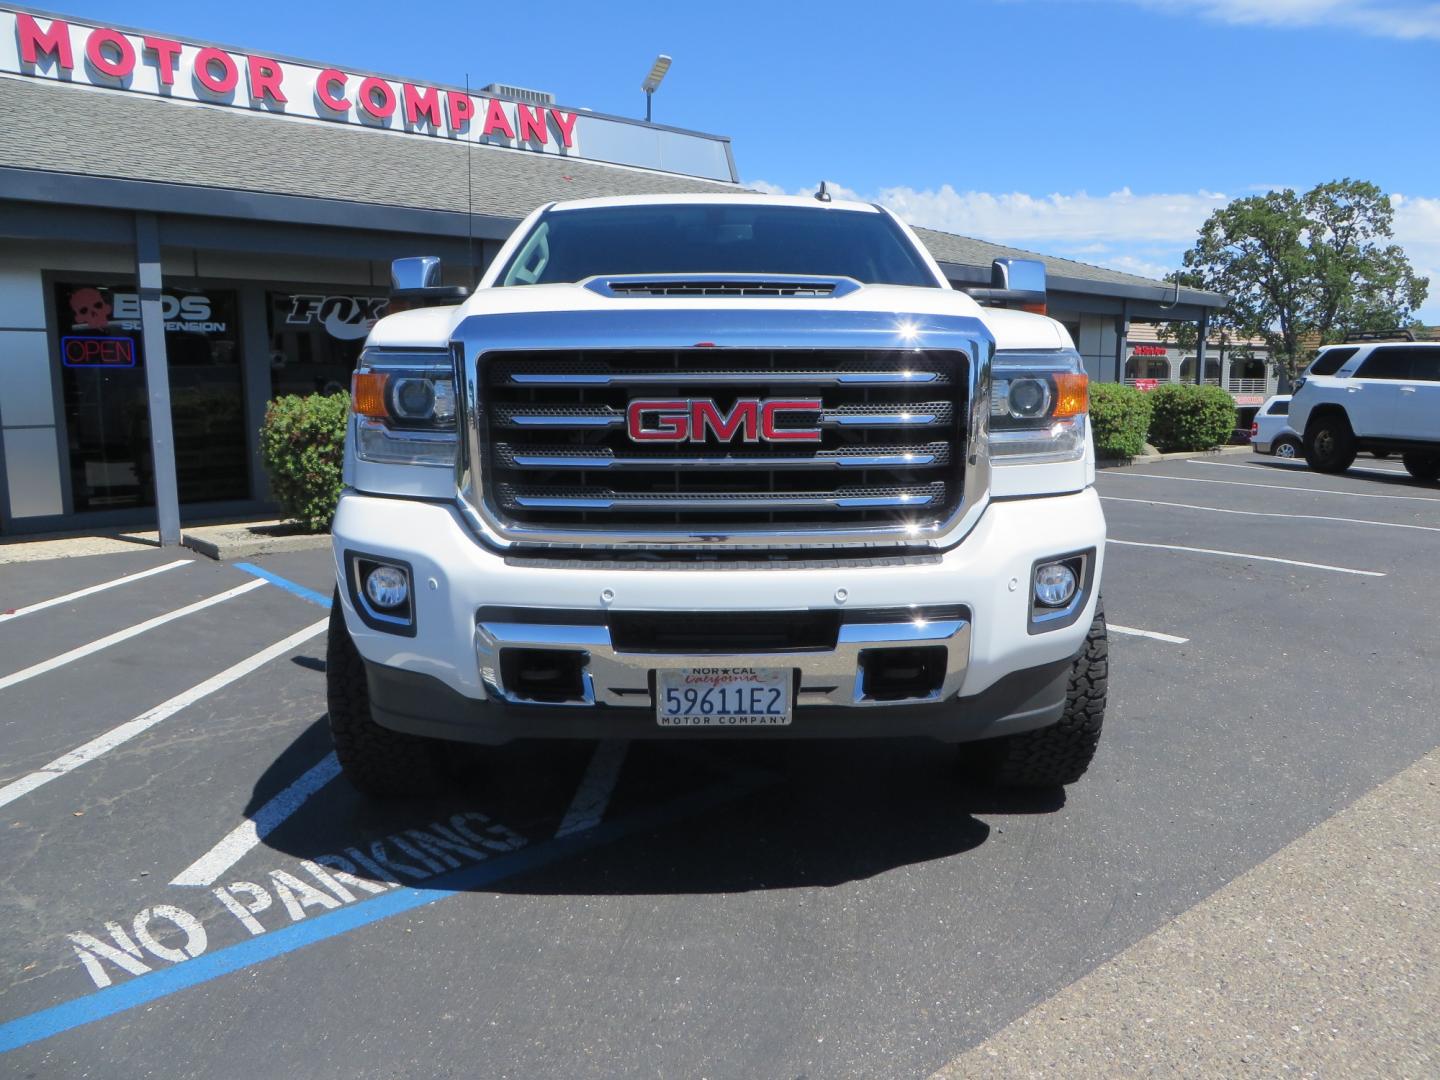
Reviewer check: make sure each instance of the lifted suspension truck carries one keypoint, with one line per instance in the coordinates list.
(730, 466)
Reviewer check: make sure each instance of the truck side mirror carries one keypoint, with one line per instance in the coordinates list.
(415, 283)
(1014, 283)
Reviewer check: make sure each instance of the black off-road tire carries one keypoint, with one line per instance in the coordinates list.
(378, 761)
(1059, 754)
(1422, 465)
(1329, 443)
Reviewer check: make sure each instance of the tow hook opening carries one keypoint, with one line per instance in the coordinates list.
(902, 674)
(549, 676)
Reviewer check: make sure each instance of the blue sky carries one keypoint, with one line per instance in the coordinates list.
(1101, 129)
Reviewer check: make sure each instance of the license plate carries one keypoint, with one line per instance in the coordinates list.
(723, 697)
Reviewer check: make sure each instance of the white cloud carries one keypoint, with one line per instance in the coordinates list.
(1079, 220)
(1379, 18)
(1417, 230)
(1017, 217)
(1138, 234)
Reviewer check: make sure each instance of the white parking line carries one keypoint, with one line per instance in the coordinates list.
(78, 593)
(1109, 473)
(1264, 514)
(1153, 634)
(1246, 555)
(146, 720)
(124, 635)
(220, 858)
(593, 794)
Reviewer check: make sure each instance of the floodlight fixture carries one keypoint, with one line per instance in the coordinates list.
(653, 80)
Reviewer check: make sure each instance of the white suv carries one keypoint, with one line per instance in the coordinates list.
(1379, 396)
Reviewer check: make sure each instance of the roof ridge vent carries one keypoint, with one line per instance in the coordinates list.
(519, 93)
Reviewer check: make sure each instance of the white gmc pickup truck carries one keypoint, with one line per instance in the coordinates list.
(718, 466)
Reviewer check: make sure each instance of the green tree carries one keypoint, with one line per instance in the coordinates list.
(1304, 264)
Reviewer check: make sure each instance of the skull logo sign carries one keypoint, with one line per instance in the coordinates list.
(90, 308)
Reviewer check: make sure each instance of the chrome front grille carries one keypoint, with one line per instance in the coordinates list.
(540, 456)
(912, 415)
(556, 454)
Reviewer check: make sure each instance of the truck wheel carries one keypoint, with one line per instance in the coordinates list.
(1329, 444)
(1422, 466)
(1061, 753)
(377, 761)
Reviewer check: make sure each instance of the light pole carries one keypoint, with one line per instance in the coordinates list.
(653, 80)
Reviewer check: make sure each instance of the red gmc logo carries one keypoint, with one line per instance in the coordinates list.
(674, 420)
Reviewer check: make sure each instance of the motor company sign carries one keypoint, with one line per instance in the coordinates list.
(103, 56)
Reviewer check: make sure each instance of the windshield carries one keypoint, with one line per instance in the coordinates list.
(571, 245)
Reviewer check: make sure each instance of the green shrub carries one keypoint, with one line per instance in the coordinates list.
(1120, 418)
(303, 447)
(1188, 417)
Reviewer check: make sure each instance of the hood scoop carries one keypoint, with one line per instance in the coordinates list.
(650, 286)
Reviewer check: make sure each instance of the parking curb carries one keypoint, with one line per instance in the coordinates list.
(1147, 459)
(246, 540)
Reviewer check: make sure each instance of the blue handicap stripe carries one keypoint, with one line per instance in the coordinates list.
(286, 584)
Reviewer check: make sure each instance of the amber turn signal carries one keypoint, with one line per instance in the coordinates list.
(1072, 395)
(367, 394)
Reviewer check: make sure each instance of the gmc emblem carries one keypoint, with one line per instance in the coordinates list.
(674, 420)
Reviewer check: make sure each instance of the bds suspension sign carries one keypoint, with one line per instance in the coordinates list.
(103, 56)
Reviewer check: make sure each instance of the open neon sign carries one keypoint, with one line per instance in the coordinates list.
(108, 352)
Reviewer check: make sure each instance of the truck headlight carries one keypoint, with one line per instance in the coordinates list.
(1038, 405)
(404, 405)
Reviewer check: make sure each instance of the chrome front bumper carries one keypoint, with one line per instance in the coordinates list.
(826, 676)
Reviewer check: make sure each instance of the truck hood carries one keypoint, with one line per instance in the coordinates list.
(433, 327)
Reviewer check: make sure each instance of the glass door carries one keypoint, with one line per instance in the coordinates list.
(107, 417)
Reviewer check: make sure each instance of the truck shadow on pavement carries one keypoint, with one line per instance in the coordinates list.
(769, 815)
(1384, 471)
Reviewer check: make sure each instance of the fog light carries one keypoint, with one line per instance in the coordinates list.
(1054, 584)
(387, 586)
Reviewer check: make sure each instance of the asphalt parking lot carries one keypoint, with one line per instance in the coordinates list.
(190, 890)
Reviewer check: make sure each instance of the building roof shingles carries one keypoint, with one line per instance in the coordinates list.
(56, 127)
(967, 251)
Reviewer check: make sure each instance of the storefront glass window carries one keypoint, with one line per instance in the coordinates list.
(316, 337)
(1148, 367)
(106, 400)
(1187, 370)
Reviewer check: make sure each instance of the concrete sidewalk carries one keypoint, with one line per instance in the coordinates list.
(65, 545)
(1324, 960)
(223, 541)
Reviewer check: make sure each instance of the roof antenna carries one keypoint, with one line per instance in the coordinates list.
(822, 195)
(469, 190)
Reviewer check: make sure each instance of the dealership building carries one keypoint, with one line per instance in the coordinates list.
(226, 219)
